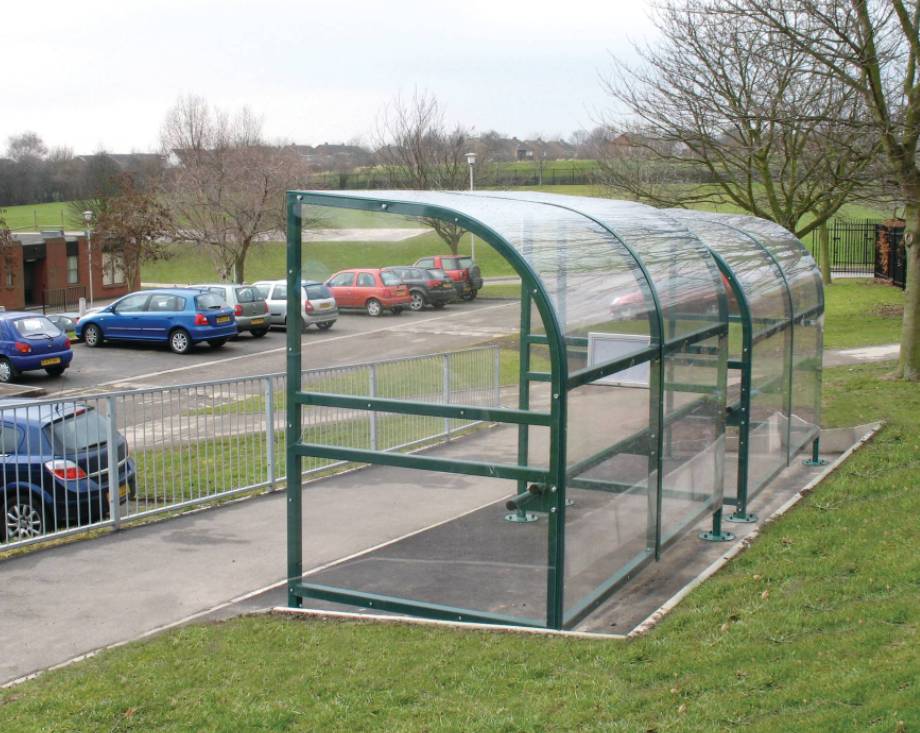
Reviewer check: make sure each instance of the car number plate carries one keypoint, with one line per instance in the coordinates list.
(49, 362)
(223, 319)
(257, 321)
(123, 490)
(325, 306)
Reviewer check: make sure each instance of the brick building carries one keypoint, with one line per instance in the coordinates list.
(51, 269)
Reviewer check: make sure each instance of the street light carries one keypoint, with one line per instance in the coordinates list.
(88, 219)
(471, 161)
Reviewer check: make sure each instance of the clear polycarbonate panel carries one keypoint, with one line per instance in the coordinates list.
(757, 273)
(693, 435)
(593, 282)
(680, 268)
(767, 439)
(806, 380)
(797, 264)
(804, 280)
(611, 525)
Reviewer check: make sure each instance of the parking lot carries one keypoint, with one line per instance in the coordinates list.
(354, 338)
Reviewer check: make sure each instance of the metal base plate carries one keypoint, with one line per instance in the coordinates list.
(521, 517)
(812, 462)
(716, 536)
(739, 518)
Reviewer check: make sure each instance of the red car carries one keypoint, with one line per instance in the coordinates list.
(459, 268)
(371, 290)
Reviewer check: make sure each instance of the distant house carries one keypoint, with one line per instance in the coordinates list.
(52, 269)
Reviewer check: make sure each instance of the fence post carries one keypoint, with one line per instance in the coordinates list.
(446, 380)
(114, 484)
(496, 375)
(372, 392)
(270, 431)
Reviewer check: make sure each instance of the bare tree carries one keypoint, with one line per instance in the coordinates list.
(872, 47)
(720, 102)
(420, 151)
(134, 225)
(226, 187)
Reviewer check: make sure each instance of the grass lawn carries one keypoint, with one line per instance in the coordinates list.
(815, 628)
(862, 313)
(36, 217)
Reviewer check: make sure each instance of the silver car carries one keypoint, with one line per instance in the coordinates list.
(317, 305)
(248, 305)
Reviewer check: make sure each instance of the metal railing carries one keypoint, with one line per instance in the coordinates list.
(851, 245)
(182, 446)
(59, 299)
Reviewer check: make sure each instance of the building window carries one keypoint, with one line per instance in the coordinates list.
(73, 271)
(113, 269)
(9, 278)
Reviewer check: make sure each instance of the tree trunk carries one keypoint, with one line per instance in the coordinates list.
(824, 253)
(909, 360)
(239, 267)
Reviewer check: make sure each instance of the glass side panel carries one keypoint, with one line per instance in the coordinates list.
(806, 381)
(693, 447)
(611, 525)
(767, 440)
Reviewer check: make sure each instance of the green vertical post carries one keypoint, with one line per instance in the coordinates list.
(557, 467)
(524, 382)
(292, 424)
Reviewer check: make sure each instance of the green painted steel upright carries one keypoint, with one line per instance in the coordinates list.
(292, 430)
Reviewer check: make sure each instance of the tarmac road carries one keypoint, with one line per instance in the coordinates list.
(355, 338)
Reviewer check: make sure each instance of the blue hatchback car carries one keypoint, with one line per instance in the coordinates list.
(29, 341)
(180, 317)
(54, 459)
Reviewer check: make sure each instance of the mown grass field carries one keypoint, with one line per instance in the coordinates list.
(816, 627)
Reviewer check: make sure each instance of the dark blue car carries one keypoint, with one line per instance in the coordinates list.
(29, 341)
(55, 463)
(180, 317)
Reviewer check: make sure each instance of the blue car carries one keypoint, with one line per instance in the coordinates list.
(29, 341)
(55, 467)
(180, 317)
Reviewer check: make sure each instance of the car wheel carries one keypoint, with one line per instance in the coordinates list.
(55, 371)
(259, 333)
(23, 517)
(179, 341)
(92, 335)
(325, 326)
(418, 301)
(374, 308)
(470, 295)
(216, 343)
(7, 371)
(438, 306)
(396, 311)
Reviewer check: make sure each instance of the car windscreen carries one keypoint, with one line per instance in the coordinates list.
(438, 274)
(389, 278)
(466, 262)
(247, 295)
(450, 263)
(76, 432)
(207, 301)
(262, 291)
(36, 326)
(317, 292)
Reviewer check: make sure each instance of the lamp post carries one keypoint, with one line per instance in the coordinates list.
(88, 220)
(471, 161)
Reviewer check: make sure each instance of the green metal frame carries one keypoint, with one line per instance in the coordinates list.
(553, 480)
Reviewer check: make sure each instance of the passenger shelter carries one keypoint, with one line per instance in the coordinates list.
(667, 364)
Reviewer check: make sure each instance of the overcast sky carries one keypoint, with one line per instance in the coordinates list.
(101, 74)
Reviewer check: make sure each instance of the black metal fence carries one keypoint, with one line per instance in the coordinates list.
(891, 255)
(62, 299)
(851, 244)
